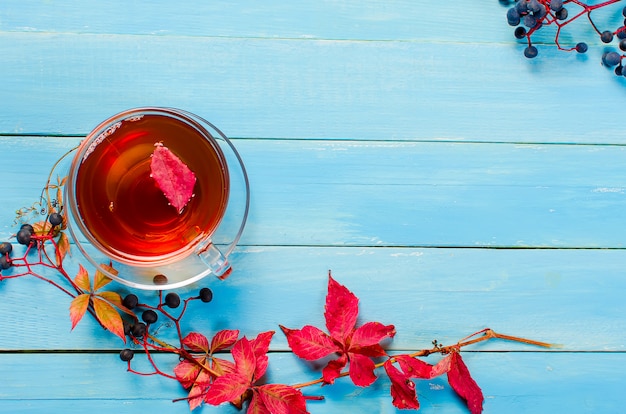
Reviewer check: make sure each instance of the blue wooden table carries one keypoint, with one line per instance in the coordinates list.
(449, 182)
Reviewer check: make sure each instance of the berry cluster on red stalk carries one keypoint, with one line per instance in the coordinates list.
(229, 367)
(529, 16)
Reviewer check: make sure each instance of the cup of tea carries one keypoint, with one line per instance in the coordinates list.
(160, 194)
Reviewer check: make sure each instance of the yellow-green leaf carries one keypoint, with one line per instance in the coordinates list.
(101, 280)
(63, 247)
(109, 317)
(82, 279)
(115, 299)
(78, 307)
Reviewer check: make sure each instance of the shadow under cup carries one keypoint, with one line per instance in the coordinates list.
(118, 214)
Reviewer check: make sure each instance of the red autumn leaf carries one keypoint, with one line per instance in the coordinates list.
(82, 279)
(332, 370)
(260, 346)
(361, 370)
(226, 388)
(310, 343)
(354, 345)
(402, 388)
(341, 310)
(257, 406)
(172, 176)
(195, 398)
(371, 333)
(282, 399)
(222, 366)
(62, 249)
(101, 280)
(109, 317)
(223, 339)
(462, 382)
(196, 342)
(416, 368)
(186, 373)
(245, 360)
(78, 307)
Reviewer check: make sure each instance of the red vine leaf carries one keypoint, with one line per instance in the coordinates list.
(257, 406)
(62, 249)
(310, 343)
(108, 317)
(341, 310)
(172, 176)
(281, 399)
(402, 388)
(226, 388)
(187, 372)
(354, 345)
(196, 342)
(101, 280)
(462, 382)
(260, 346)
(78, 307)
(82, 279)
(223, 339)
(245, 360)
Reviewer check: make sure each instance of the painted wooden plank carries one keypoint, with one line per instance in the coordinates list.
(511, 382)
(400, 193)
(568, 297)
(369, 20)
(293, 88)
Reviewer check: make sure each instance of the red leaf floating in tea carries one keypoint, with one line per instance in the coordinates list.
(172, 176)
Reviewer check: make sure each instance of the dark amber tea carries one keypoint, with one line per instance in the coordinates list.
(122, 208)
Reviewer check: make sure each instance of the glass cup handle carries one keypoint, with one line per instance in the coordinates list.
(215, 260)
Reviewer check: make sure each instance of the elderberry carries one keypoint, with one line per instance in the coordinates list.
(5, 263)
(622, 44)
(606, 36)
(28, 227)
(611, 58)
(561, 14)
(172, 300)
(139, 330)
(520, 32)
(127, 354)
(556, 5)
(206, 295)
(24, 236)
(582, 47)
(6, 248)
(130, 301)
(55, 219)
(531, 52)
(149, 316)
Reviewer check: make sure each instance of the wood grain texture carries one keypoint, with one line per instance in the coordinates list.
(512, 382)
(449, 182)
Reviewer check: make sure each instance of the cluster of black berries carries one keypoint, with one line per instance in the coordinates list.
(138, 329)
(5, 255)
(528, 16)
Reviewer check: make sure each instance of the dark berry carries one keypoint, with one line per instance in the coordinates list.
(624, 12)
(6, 248)
(139, 330)
(582, 47)
(513, 17)
(556, 5)
(606, 36)
(130, 301)
(55, 219)
(128, 327)
(24, 237)
(622, 44)
(619, 70)
(206, 295)
(127, 354)
(520, 32)
(531, 52)
(621, 34)
(561, 14)
(534, 6)
(149, 316)
(28, 227)
(5, 263)
(611, 58)
(159, 280)
(522, 6)
(172, 300)
(530, 21)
